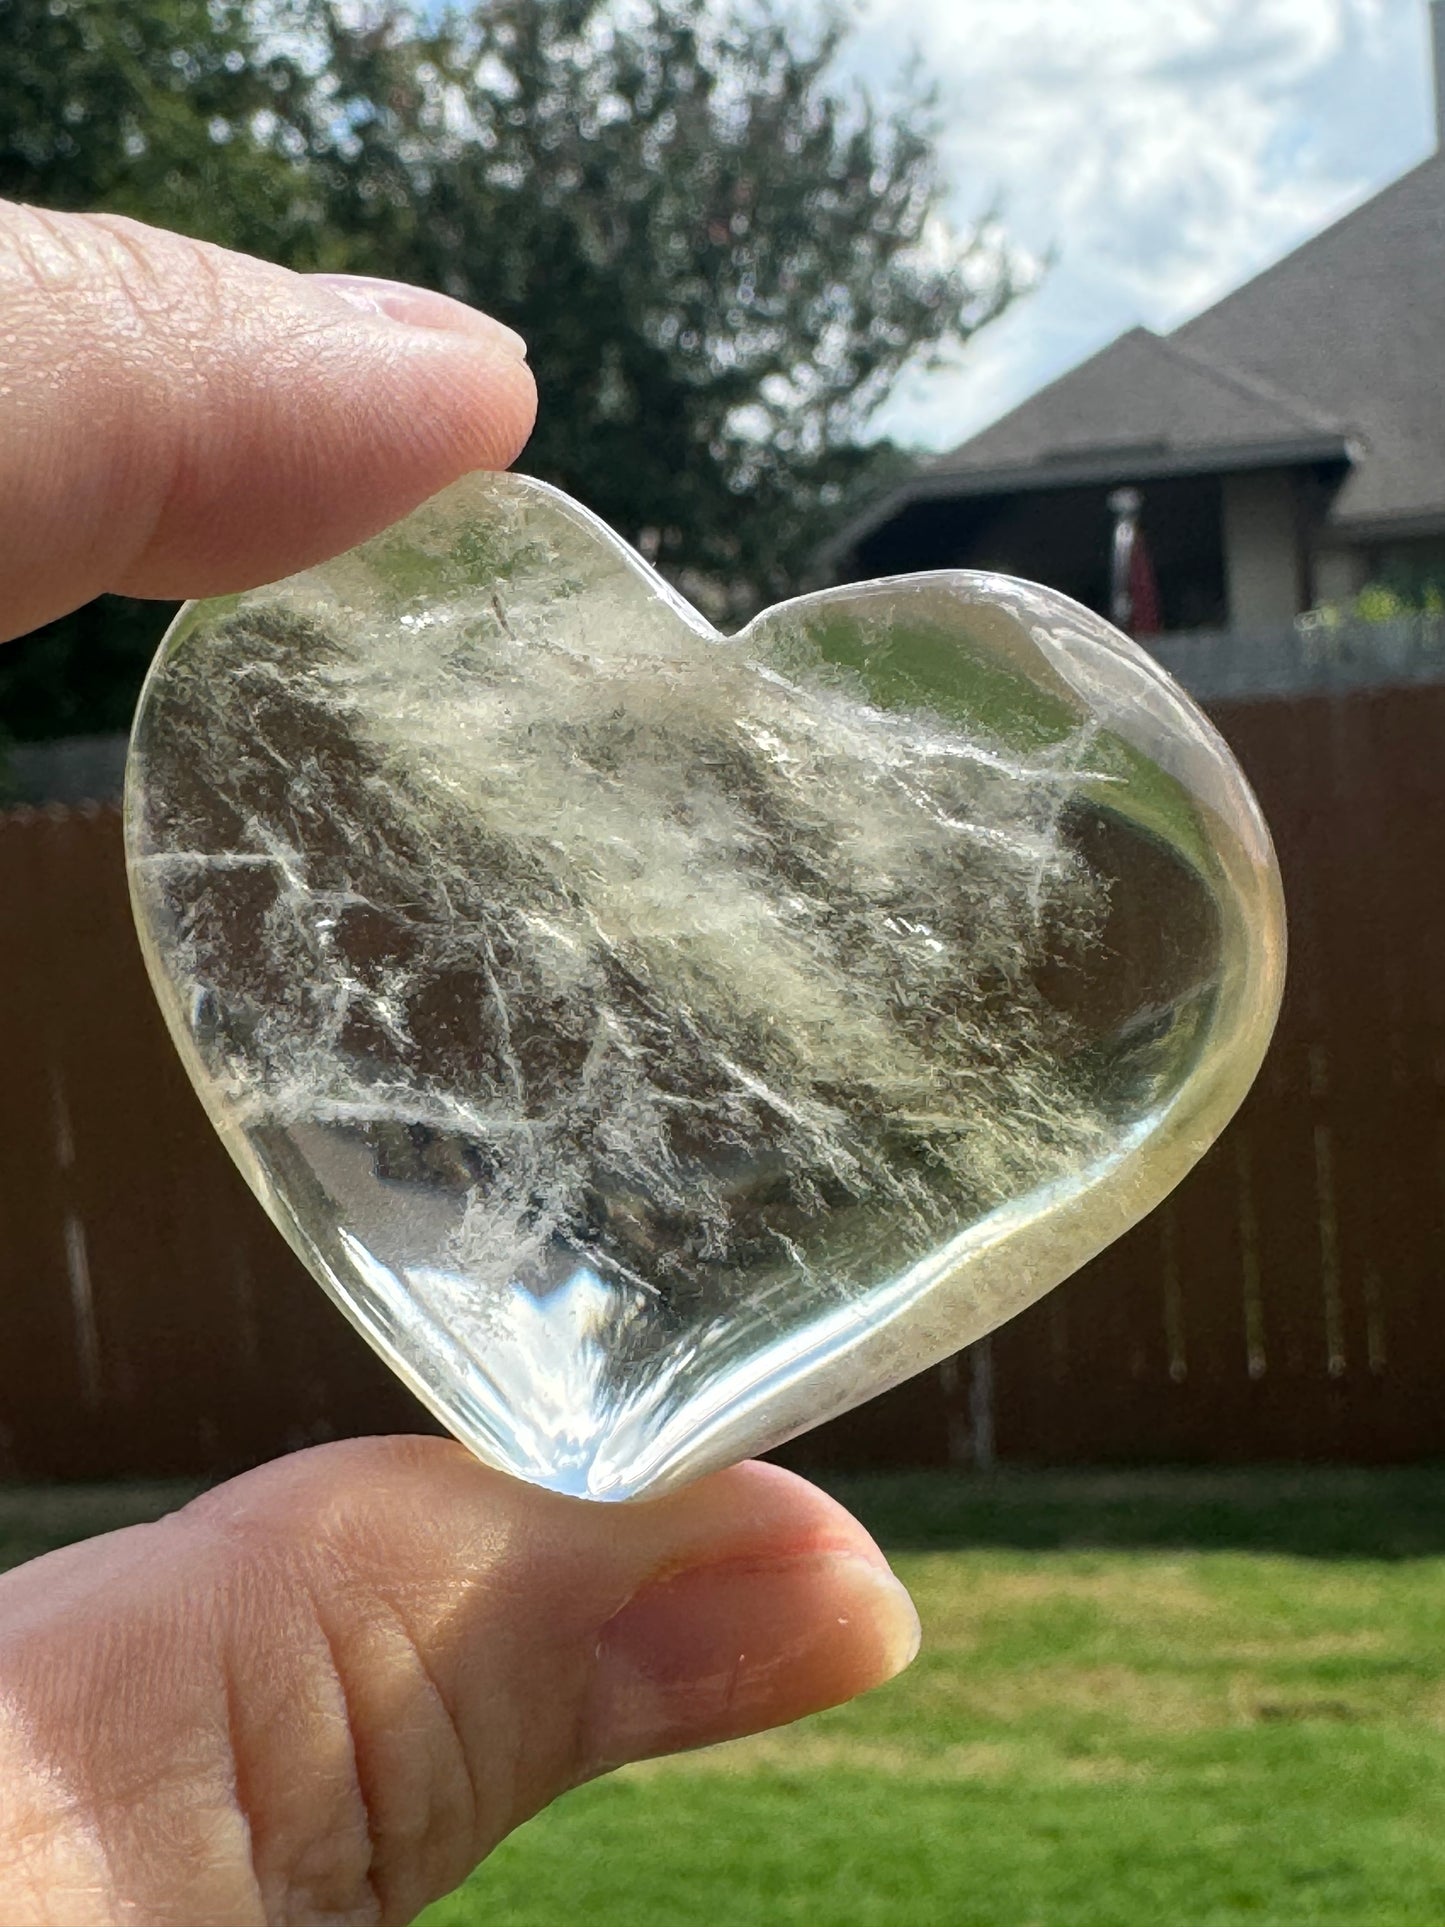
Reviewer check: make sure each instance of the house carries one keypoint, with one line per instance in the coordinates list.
(1289, 443)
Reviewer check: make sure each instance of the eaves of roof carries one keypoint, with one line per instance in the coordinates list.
(1404, 526)
(1113, 467)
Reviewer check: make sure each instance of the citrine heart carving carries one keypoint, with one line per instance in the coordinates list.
(658, 1042)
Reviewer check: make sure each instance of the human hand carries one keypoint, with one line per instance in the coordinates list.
(325, 1690)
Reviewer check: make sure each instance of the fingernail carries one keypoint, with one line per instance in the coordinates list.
(420, 308)
(719, 1651)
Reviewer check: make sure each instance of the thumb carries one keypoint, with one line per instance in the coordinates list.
(327, 1689)
(177, 420)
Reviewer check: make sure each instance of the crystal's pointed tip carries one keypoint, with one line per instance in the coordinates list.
(583, 1479)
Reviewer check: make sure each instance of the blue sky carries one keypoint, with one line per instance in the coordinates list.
(1164, 150)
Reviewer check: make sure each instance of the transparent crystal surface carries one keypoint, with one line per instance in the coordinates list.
(658, 1042)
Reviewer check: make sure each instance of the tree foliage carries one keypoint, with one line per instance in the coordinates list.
(173, 111)
(721, 260)
(720, 256)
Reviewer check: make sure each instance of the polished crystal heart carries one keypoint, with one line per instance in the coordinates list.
(655, 1042)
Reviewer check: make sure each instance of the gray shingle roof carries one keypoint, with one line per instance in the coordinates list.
(1338, 351)
(1144, 395)
(1355, 320)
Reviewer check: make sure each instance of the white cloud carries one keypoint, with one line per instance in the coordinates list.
(1164, 152)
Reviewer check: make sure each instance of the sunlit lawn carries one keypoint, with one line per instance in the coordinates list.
(1143, 1698)
(1120, 1716)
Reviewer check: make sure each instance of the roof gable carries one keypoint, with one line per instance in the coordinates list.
(1355, 319)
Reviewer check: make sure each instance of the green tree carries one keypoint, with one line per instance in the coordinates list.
(174, 111)
(720, 256)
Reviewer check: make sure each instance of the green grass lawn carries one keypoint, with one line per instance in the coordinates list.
(1164, 1699)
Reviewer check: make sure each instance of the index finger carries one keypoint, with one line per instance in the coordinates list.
(177, 420)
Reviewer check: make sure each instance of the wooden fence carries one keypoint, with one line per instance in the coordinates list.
(1287, 1303)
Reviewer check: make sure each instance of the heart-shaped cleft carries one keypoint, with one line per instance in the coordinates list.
(655, 1042)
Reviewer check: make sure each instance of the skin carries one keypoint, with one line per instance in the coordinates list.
(324, 1691)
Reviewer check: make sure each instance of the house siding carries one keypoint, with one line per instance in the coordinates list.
(1339, 576)
(1262, 550)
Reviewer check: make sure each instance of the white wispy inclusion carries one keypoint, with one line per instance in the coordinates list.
(598, 1002)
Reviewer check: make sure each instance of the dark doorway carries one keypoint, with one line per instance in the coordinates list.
(1063, 537)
